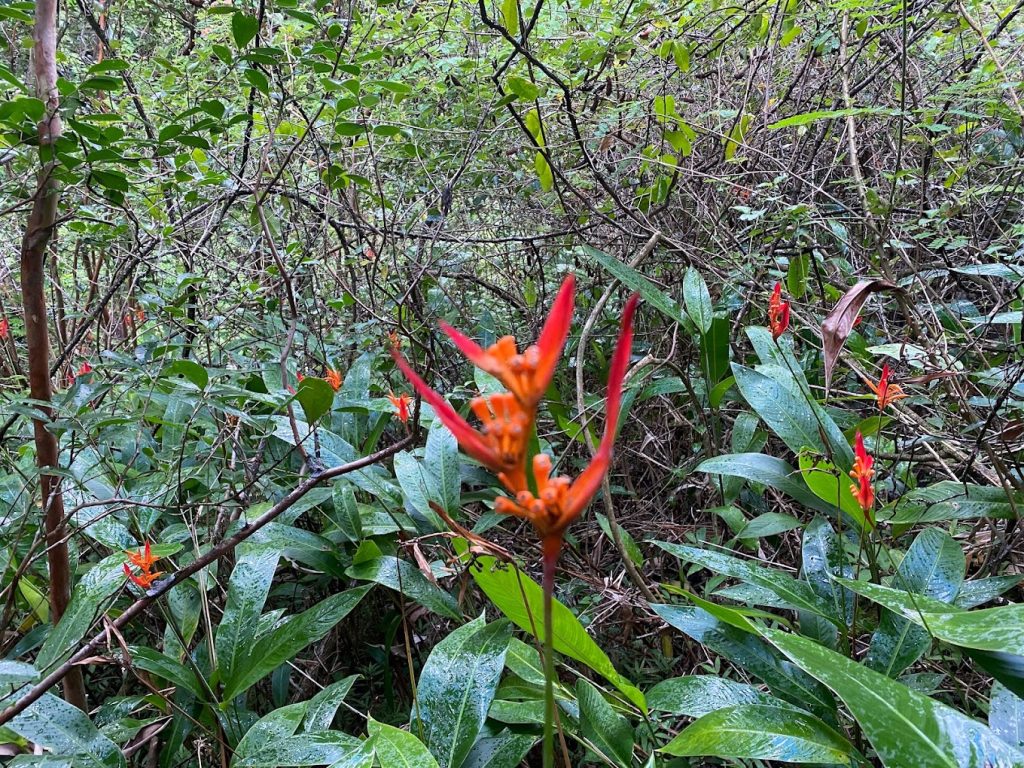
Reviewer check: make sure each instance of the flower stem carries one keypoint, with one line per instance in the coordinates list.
(552, 548)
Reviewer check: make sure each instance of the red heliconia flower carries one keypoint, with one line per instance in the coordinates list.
(143, 560)
(401, 403)
(526, 374)
(862, 473)
(5, 328)
(83, 369)
(560, 500)
(333, 378)
(299, 377)
(885, 391)
(507, 418)
(778, 313)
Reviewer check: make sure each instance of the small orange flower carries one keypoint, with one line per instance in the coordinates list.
(143, 560)
(862, 473)
(778, 313)
(333, 378)
(885, 391)
(393, 340)
(5, 328)
(401, 403)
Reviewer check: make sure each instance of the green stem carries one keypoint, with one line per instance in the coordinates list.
(552, 548)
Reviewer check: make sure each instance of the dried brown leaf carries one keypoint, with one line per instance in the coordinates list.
(835, 329)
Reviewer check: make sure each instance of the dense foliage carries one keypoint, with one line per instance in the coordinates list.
(256, 544)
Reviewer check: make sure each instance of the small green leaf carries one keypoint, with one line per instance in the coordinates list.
(243, 28)
(697, 695)
(315, 396)
(510, 16)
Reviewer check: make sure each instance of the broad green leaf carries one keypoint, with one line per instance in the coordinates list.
(831, 485)
(87, 600)
(609, 732)
(790, 590)
(947, 500)
(305, 749)
(346, 512)
(934, 567)
(396, 748)
(16, 672)
(65, 731)
(1006, 715)
(823, 558)
(243, 28)
(521, 599)
(980, 591)
(323, 707)
(416, 484)
(736, 135)
(796, 275)
(406, 578)
(999, 629)
(457, 685)
(190, 369)
(315, 396)
(798, 422)
(906, 728)
(714, 357)
(170, 669)
(697, 300)
(770, 471)
(248, 589)
(266, 733)
(751, 653)
(768, 524)
(520, 86)
(291, 636)
(762, 732)
(697, 695)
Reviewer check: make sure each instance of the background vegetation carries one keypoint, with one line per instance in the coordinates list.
(258, 189)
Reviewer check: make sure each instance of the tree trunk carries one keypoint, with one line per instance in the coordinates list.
(38, 231)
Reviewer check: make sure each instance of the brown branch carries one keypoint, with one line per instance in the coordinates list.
(165, 586)
(39, 228)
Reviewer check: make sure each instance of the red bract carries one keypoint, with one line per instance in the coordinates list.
(778, 313)
(862, 473)
(5, 328)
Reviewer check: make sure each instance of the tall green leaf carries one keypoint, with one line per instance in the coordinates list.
(397, 574)
(933, 567)
(521, 599)
(248, 588)
(457, 685)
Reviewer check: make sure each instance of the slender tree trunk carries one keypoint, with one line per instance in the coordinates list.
(38, 231)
